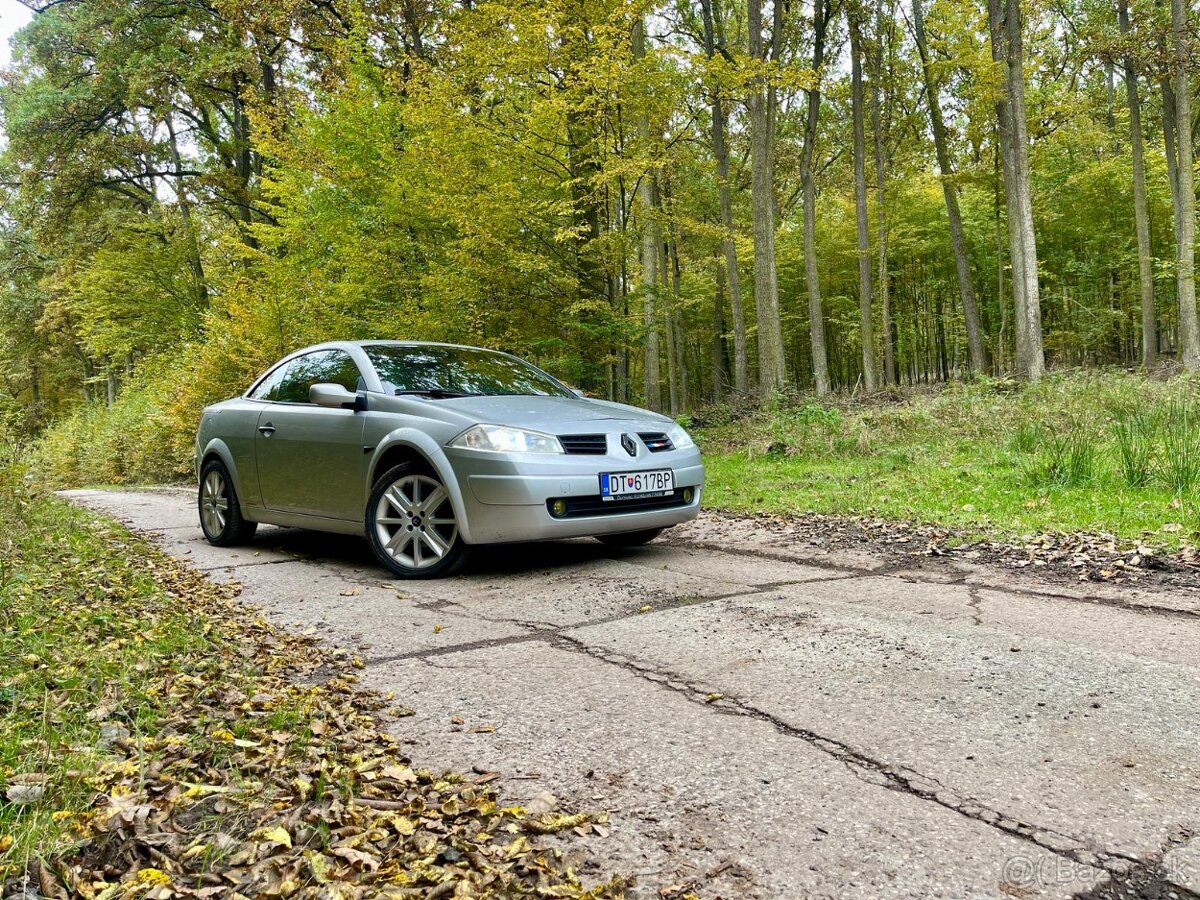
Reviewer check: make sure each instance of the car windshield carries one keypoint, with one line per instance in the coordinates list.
(443, 372)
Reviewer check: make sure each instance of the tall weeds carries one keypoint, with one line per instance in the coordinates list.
(1180, 465)
(1136, 433)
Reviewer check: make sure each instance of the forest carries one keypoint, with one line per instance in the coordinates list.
(666, 203)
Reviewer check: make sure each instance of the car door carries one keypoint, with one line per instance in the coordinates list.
(310, 458)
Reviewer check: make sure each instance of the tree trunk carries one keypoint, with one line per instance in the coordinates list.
(812, 279)
(1007, 48)
(741, 367)
(1168, 122)
(1185, 205)
(865, 291)
(1141, 213)
(680, 343)
(651, 241)
(762, 192)
(885, 291)
(962, 267)
(720, 361)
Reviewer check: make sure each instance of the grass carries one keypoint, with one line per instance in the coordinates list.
(1096, 452)
(73, 659)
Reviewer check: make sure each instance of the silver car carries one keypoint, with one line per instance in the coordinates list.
(427, 449)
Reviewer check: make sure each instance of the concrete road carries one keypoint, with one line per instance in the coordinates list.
(765, 719)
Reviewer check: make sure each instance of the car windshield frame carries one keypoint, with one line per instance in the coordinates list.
(445, 371)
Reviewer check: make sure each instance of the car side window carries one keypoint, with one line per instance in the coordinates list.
(321, 367)
(267, 386)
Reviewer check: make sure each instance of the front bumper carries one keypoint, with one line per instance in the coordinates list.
(505, 496)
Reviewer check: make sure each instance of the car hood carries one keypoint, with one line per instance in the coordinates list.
(556, 415)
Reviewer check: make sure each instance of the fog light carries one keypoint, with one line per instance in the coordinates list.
(558, 508)
(688, 494)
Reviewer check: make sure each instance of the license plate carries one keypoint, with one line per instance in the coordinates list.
(633, 485)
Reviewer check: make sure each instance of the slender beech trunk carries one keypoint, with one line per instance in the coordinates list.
(1016, 253)
(720, 362)
(669, 298)
(1185, 195)
(1168, 123)
(1141, 213)
(812, 279)
(668, 317)
(651, 241)
(680, 342)
(681, 339)
(1008, 49)
(865, 290)
(621, 294)
(881, 240)
(1033, 366)
(766, 288)
(741, 366)
(962, 266)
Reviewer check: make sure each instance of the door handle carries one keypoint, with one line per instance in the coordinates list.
(266, 430)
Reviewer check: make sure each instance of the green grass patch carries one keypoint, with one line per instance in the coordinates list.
(1096, 452)
(80, 626)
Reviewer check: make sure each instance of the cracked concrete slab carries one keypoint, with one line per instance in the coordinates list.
(784, 721)
(690, 790)
(1057, 733)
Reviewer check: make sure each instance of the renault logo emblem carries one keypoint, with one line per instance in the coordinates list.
(629, 444)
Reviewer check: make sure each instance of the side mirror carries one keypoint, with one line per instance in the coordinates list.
(579, 394)
(334, 396)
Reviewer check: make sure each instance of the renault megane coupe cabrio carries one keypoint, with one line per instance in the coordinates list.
(427, 449)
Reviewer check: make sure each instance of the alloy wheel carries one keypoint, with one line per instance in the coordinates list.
(214, 503)
(414, 521)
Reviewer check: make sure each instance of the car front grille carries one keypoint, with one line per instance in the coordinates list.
(581, 507)
(589, 444)
(656, 441)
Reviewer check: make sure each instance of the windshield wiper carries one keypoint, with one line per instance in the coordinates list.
(433, 393)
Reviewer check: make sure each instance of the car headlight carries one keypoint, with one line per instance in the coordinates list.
(506, 440)
(680, 438)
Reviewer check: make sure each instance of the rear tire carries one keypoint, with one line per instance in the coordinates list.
(221, 517)
(629, 538)
(411, 524)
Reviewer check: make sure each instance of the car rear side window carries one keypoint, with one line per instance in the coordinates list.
(320, 367)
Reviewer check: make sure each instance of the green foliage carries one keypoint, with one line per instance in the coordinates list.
(136, 440)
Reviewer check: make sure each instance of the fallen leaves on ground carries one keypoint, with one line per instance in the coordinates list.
(254, 767)
(1097, 557)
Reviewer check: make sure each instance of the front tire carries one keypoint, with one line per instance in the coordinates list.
(411, 524)
(221, 517)
(629, 538)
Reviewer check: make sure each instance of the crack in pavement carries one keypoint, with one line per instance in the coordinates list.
(974, 603)
(540, 632)
(246, 565)
(896, 778)
(893, 568)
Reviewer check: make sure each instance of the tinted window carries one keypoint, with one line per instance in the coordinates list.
(458, 370)
(322, 367)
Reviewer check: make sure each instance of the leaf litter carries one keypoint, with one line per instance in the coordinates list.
(259, 770)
